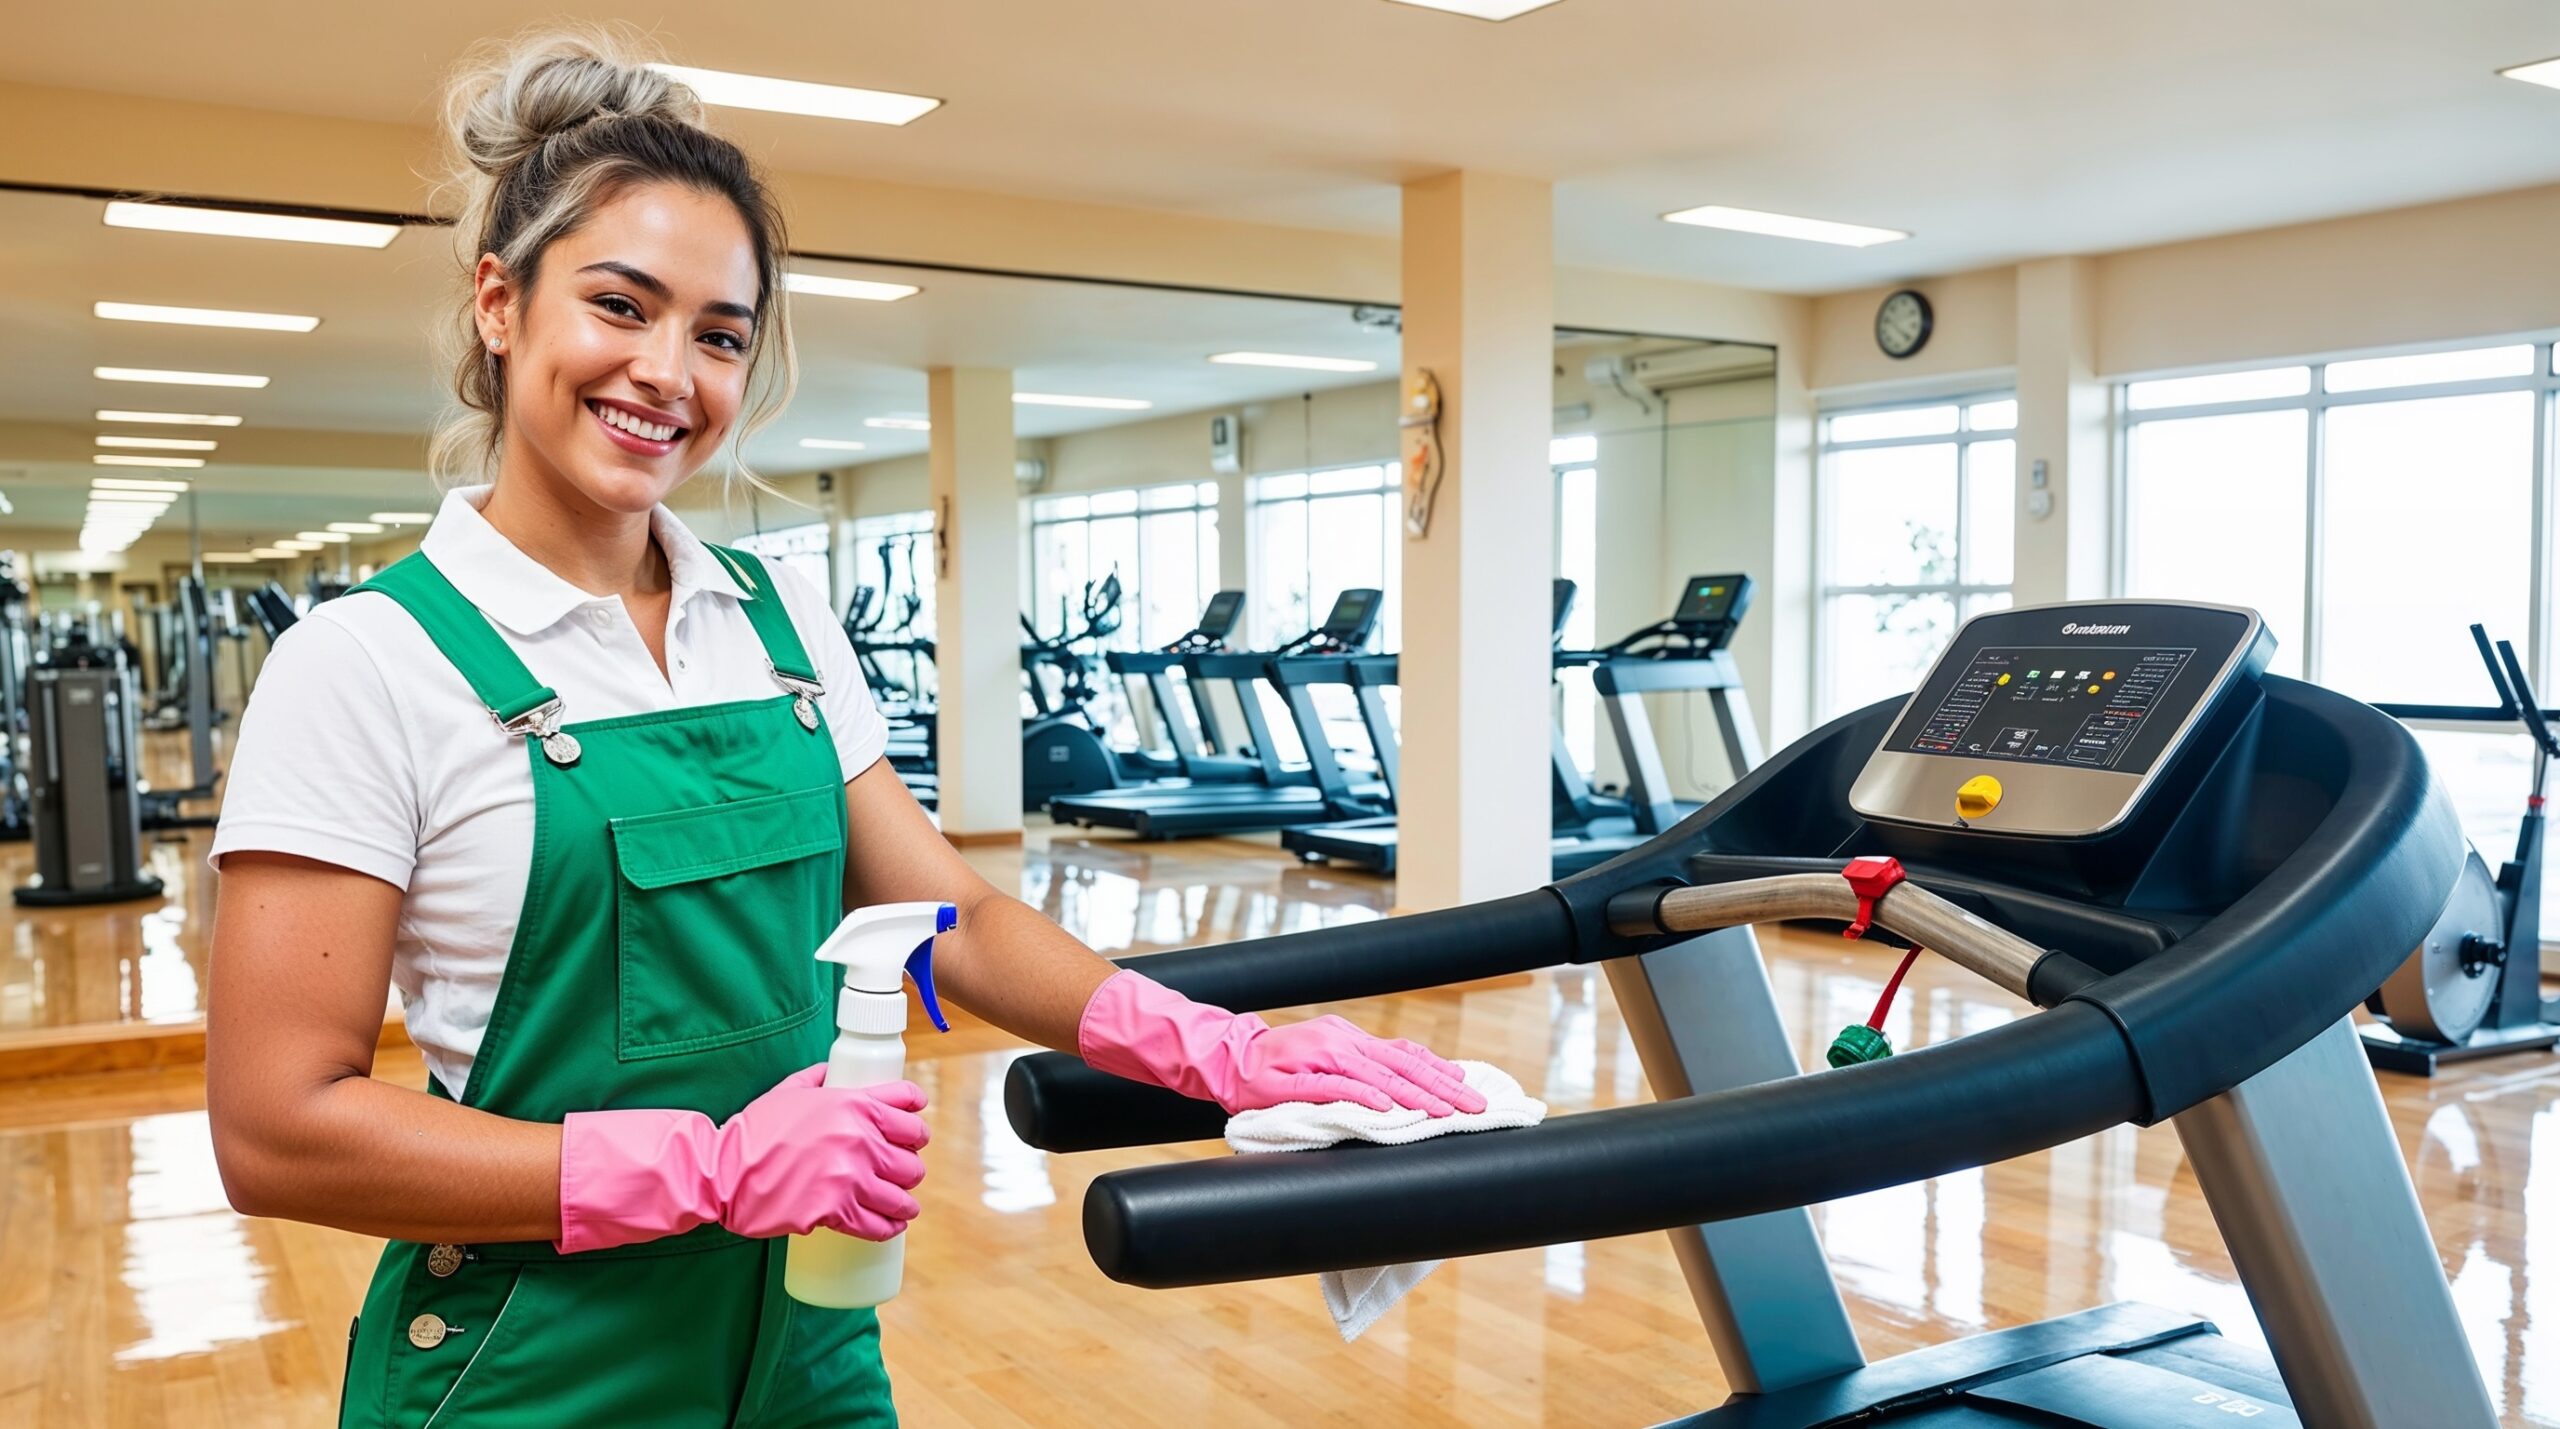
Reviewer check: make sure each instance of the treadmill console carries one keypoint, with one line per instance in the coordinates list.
(1353, 618)
(2053, 721)
(1711, 608)
(1219, 620)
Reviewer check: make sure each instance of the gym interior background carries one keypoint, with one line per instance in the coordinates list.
(2250, 306)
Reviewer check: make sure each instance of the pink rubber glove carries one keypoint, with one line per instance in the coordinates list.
(1140, 1029)
(797, 1158)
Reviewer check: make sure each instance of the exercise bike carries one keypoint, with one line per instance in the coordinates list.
(2473, 988)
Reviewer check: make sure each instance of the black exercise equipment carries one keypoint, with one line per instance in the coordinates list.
(83, 705)
(1281, 795)
(2473, 988)
(2232, 860)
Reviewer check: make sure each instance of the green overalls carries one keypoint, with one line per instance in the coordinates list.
(686, 864)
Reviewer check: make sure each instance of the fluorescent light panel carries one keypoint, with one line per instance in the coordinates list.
(333, 538)
(1283, 359)
(1108, 404)
(818, 285)
(1781, 225)
(356, 528)
(793, 96)
(127, 483)
(203, 317)
(2541, 72)
(180, 379)
(160, 444)
(111, 459)
(1481, 9)
(272, 553)
(899, 424)
(830, 444)
(240, 223)
(300, 545)
(169, 419)
(403, 518)
(156, 500)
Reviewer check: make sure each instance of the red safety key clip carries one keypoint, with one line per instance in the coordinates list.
(1870, 879)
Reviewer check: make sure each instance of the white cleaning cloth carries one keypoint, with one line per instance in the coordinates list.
(1358, 1297)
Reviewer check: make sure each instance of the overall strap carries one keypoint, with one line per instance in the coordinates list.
(763, 604)
(464, 635)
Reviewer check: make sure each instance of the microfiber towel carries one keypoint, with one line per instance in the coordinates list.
(1357, 1298)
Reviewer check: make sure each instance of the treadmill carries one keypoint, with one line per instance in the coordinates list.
(2232, 861)
(1276, 796)
(1199, 747)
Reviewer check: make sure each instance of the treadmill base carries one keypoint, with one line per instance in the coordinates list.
(2122, 1366)
(2388, 1051)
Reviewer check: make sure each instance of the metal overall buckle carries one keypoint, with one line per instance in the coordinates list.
(542, 722)
(804, 696)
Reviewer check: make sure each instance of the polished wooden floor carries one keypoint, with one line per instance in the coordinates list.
(130, 1294)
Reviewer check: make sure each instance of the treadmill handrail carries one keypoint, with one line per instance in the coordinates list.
(1906, 910)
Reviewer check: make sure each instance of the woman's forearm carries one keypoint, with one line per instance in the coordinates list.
(1018, 970)
(366, 1156)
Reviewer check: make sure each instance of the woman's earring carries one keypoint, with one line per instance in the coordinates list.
(496, 345)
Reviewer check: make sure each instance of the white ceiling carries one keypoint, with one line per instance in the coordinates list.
(1993, 129)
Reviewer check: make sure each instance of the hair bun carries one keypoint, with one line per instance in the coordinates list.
(507, 99)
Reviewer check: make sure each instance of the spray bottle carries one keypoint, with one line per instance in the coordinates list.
(876, 945)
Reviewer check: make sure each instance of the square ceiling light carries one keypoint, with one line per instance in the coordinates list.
(1481, 9)
(794, 96)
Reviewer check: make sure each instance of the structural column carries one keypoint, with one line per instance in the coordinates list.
(2063, 484)
(977, 600)
(1479, 314)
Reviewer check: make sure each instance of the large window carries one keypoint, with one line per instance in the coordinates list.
(802, 548)
(1317, 534)
(1917, 510)
(1163, 541)
(2371, 509)
(1576, 461)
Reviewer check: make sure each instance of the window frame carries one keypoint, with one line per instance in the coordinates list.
(2543, 381)
(1130, 635)
(1390, 487)
(1825, 507)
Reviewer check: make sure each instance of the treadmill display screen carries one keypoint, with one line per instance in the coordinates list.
(1352, 611)
(1706, 600)
(2084, 705)
(1220, 617)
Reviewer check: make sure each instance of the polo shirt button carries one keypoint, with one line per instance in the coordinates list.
(444, 1260)
(428, 1331)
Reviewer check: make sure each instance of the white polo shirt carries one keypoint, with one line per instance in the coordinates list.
(362, 746)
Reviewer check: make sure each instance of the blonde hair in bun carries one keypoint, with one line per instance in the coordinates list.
(541, 131)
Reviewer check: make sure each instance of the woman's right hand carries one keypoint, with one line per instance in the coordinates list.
(802, 1156)
(806, 1155)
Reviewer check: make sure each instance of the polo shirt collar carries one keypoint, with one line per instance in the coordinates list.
(527, 597)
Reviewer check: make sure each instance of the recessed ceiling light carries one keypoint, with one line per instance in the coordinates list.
(334, 538)
(1481, 9)
(129, 483)
(229, 558)
(203, 317)
(899, 424)
(106, 459)
(357, 528)
(1110, 404)
(180, 379)
(159, 444)
(2542, 72)
(793, 96)
(272, 553)
(830, 444)
(1780, 225)
(242, 223)
(404, 518)
(153, 499)
(169, 419)
(300, 545)
(820, 285)
(1282, 359)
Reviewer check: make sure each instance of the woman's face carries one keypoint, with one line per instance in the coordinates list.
(627, 363)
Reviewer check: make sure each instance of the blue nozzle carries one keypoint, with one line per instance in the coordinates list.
(920, 966)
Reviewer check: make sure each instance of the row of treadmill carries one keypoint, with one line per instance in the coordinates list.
(1216, 767)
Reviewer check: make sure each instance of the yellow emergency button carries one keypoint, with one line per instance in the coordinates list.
(1978, 796)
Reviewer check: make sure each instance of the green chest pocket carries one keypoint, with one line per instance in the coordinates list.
(717, 912)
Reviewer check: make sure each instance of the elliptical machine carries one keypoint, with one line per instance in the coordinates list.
(2473, 988)
(1063, 751)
